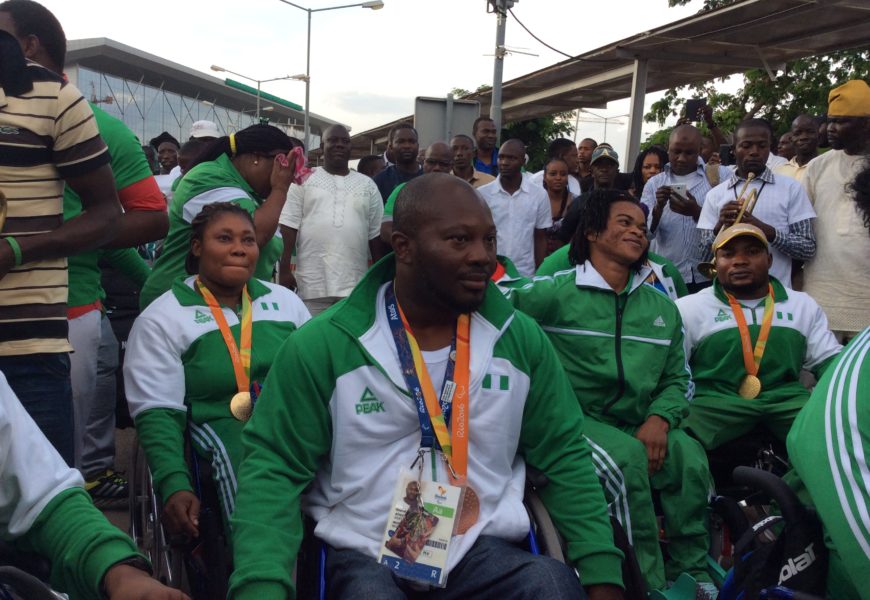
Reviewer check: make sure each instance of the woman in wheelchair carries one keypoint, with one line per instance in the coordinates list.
(196, 357)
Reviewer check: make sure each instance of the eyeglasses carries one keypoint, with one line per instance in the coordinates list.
(439, 163)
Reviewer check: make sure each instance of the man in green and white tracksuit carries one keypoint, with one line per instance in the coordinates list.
(178, 370)
(828, 445)
(664, 277)
(335, 410)
(623, 353)
(799, 338)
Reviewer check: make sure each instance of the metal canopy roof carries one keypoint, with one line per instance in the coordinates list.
(114, 58)
(747, 35)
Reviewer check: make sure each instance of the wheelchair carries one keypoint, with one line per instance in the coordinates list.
(201, 567)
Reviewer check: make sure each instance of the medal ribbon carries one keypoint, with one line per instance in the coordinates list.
(435, 412)
(241, 359)
(752, 358)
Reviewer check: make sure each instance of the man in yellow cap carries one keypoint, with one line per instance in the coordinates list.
(839, 275)
(747, 339)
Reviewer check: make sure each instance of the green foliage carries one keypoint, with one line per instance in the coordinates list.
(801, 87)
(537, 135)
(659, 138)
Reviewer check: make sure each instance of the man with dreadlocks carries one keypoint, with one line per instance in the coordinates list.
(621, 343)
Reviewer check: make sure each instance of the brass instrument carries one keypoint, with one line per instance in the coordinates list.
(708, 269)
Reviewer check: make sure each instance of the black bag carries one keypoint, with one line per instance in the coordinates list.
(797, 559)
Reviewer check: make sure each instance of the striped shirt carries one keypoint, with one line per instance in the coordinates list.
(46, 135)
(676, 237)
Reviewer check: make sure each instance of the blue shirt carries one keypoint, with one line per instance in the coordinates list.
(492, 168)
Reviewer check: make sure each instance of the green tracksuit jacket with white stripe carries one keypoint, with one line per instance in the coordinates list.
(208, 182)
(632, 363)
(178, 369)
(335, 410)
(828, 446)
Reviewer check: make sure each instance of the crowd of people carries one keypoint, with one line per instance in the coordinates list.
(607, 329)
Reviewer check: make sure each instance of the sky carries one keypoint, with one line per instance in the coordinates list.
(368, 66)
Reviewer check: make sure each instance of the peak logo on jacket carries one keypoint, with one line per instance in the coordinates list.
(200, 317)
(368, 404)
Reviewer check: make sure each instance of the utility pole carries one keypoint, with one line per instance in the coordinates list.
(500, 7)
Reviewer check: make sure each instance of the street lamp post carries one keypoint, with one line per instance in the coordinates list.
(373, 5)
(257, 81)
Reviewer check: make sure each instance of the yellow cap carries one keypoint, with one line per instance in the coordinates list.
(852, 99)
(727, 234)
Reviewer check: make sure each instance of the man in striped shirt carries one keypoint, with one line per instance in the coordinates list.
(47, 137)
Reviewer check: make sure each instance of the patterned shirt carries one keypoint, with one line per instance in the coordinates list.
(46, 135)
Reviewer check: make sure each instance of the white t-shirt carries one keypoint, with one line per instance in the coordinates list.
(336, 217)
(516, 217)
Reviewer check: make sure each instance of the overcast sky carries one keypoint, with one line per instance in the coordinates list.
(368, 66)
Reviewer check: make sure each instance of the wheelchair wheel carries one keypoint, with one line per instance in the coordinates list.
(145, 527)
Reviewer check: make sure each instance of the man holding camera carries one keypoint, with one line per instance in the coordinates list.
(675, 197)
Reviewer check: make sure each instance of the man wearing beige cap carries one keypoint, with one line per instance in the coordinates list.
(839, 275)
(747, 339)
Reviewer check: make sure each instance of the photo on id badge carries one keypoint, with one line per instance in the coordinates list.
(419, 529)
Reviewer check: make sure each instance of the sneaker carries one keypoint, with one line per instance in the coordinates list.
(107, 485)
(706, 591)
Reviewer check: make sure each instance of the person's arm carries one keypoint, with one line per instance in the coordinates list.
(155, 388)
(543, 222)
(285, 442)
(268, 213)
(130, 264)
(552, 441)
(386, 225)
(650, 198)
(285, 273)
(540, 246)
(378, 247)
(707, 227)
(713, 127)
(91, 229)
(671, 397)
(822, 347)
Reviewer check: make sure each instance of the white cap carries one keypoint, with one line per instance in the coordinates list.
(202, 129)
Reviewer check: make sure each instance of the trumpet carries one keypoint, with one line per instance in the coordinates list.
(747, 205)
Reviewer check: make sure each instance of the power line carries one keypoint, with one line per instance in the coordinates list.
(542, 42)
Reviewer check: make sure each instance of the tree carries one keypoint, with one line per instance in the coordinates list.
(801, 87)
(536, 134)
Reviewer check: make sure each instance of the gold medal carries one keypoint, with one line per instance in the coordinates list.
(750, 387)
(470, 511)
(241, 406)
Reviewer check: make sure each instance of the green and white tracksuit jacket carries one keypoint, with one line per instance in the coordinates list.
(335, 409)
(665, 276)
(45, 509)
(828, 446)
(799, 339)
(623, 354)
(177, 371)
(208, 182)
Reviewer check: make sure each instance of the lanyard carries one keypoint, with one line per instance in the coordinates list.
(434, 412)
(752, 358)
(757, 195)
(241, 359)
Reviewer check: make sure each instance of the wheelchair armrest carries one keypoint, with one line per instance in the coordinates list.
(26, 585)
(535, 478)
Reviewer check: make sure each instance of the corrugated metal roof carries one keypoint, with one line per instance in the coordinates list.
(747, 35)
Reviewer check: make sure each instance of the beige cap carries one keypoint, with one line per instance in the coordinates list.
(740, 229)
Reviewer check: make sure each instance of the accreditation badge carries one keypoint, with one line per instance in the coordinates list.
(419, 529)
